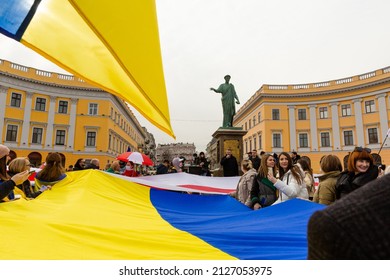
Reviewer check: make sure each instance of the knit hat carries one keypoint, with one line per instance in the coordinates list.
(4, 151)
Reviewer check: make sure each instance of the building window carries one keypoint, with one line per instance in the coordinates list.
(348, 138)
(276, 140)
(16, 99)
(112, 113)
(260, 142)
(40, 104)
(250, 145)
(254, 142)
(91, 139)
(301, 114)
(246, 146)
(12, 132)
(246, 127)
(372, 136)
(303, 140)
(346, 110)
(275, 114)
(37, 135)
(370, 106)
(323, 112)
(93, 109)
(250, 124)
(259, 117)
(60, 137)
(325, 139)
(63, 107)
(254, 121)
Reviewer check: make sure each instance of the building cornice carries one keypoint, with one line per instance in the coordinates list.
(328, 89)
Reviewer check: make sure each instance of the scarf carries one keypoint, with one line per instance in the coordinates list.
(268, 183)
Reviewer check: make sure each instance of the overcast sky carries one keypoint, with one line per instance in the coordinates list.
(255, 41)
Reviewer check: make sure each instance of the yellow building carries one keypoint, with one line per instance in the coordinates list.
(331, 117)
(43, 112)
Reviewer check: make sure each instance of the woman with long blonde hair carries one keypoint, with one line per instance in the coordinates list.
(245, 183)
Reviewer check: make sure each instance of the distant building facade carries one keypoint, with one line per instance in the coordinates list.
(43, 112)
(170, 151)
(331, 117)
(149, 145)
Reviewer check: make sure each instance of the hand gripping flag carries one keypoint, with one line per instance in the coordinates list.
(113, 46)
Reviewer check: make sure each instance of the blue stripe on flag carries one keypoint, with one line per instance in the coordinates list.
(15, 15)
(275, 233)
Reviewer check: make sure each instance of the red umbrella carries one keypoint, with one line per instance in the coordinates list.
(135, 157)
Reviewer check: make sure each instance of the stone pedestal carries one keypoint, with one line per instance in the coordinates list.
(228, 138)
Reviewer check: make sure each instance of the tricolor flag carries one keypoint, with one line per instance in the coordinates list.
(95, 215)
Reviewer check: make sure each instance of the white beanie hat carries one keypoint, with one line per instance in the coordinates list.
(4, 151)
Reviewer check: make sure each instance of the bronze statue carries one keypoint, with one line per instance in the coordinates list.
(228, 106)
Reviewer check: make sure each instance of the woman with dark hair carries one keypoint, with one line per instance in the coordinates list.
(79, 165)
(53, 171)
(263, 192)
(360, 171)
(290, 184)
(331, 168)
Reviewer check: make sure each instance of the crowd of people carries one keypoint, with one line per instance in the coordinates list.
(177, 165)
(289, 175)
(356, 200)
(14, 180)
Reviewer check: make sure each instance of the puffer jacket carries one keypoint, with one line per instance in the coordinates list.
(326, 192)
(290, 188)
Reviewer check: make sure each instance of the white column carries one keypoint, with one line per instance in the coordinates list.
(50, 122)
(383, 115)
(3, 101)
(313, 128)
(72, 123)
(292, 128)
(26, 120)
(359, 122)
(335, 126)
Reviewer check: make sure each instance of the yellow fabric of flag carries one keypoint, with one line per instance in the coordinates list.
(113, 45)
(92, 215)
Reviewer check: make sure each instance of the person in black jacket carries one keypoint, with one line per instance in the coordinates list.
(360, 171)
(354, 227)
(229, 164)
(255, 159)
(264, 193)
(163, 167)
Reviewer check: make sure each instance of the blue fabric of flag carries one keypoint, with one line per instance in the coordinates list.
(272, 233)
(15, 16)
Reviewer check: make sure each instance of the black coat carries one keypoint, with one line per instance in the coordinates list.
(255, 162)
(230, 166)
(354, 227)
(348, 181)
(5, 188)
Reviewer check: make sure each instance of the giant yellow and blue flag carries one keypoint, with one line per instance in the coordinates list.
(95, 215)
(113, 45)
